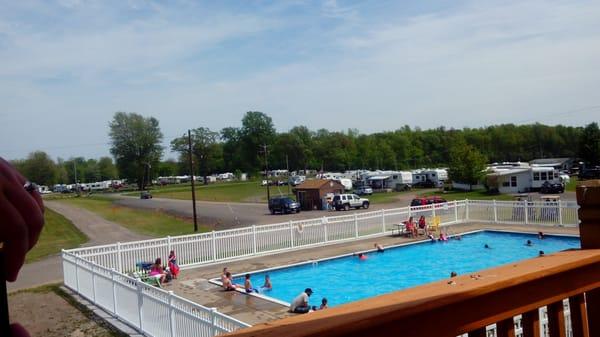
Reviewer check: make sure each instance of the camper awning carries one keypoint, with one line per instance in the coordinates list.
(379, 177)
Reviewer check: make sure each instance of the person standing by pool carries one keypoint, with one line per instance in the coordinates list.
(300, 304)
(173, 266)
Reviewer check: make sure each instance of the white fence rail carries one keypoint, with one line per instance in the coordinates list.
(152, 311)
(99, 273)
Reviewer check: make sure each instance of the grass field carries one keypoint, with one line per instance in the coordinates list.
(473, 195)
(572, 184)
(153, 223)
(58, 233)
(249, 191)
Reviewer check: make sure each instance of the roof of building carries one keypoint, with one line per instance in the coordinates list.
(505, 172)
(549, 161)
(316, 184)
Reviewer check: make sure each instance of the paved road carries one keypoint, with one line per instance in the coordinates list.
(223, 215)
(97, 229)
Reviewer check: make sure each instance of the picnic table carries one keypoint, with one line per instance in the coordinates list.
(400, 227)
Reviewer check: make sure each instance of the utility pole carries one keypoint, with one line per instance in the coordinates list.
(287, 164)
(76, 183)
(265, 151)
(192, 174)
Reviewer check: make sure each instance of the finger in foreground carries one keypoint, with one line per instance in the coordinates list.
(25, 204)
(13, 233)
(16, 330)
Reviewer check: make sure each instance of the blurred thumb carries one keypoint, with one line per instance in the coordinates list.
(16, 330)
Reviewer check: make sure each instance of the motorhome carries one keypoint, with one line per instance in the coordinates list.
(430, 177)
(388, 180)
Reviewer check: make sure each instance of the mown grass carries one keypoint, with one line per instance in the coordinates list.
(385, 197)
(473, 195)
(572, 185)
(149, 222)
(58, 233)
(249, 191)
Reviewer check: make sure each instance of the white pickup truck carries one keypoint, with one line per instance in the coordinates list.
(347, 201)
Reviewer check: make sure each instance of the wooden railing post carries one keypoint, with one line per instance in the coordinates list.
(531, 323)
(588, 199)
(556, 320)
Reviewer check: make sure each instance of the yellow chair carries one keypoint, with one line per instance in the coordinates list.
(434, 224)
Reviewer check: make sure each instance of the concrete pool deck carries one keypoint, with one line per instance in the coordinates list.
(194, 285)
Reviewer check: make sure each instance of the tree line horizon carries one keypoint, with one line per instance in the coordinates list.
(137, 151)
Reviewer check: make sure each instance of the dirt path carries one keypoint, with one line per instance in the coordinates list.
(97, 229)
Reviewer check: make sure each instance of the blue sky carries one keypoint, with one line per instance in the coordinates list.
(68, 65)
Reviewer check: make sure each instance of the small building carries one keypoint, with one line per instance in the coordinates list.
(312, 194)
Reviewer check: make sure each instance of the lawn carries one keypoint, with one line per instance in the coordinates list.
(250, 191)
(572, 184)
(473, 195)
(149, 222)
(58, 233)
(385, 197)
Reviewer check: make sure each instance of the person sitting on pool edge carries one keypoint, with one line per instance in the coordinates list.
(300, 304)
(267, 285)
(423, 224)
(224, 275)
(541, 235)
(248, 285)
(378, 247)
(228, 283)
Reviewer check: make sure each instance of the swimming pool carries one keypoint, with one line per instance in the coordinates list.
(347, 279)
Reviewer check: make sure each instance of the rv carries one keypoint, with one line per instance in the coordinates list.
(429, 177)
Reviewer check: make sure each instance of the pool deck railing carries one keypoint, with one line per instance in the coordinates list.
(103, 274)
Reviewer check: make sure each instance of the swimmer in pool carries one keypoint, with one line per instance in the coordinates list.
(362, 256)
(529, 243)
(378, 247)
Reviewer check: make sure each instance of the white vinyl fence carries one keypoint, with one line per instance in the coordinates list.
(100, 273)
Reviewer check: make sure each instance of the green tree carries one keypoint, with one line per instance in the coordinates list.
(466, 164)
(205, 149)
(135, 145)
(589, 144)
(107, 169)
(257, 130)
(38, 168)
(168, 168)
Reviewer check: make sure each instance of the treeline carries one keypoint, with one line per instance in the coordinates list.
(137, 151)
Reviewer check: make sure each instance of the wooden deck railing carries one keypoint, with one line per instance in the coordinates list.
(464, 304)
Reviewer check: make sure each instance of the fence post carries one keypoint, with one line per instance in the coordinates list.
(433, 210)
(466, 209)
(213, 321)
(93, 283)
(383, 221)
(77, 273)
(355, 225)
(119, 258)
(169, 245)
(526, 208)
(325, 230)
(291, 234)
(171, 316)
(455, 211)
(254, 238)
(140, 294)
(114, 290)
(409, 211)
(495, 212)
(214, 246)
(560, 219)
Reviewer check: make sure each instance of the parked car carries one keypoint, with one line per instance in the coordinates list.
(551, 188)
(364, 190)
(427, 201)
(424, 184)
(346, 201)
(283, 205)
(145, 195)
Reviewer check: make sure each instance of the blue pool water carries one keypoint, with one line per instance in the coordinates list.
(347, 279)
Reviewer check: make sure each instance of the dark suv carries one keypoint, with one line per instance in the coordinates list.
(283, 205)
